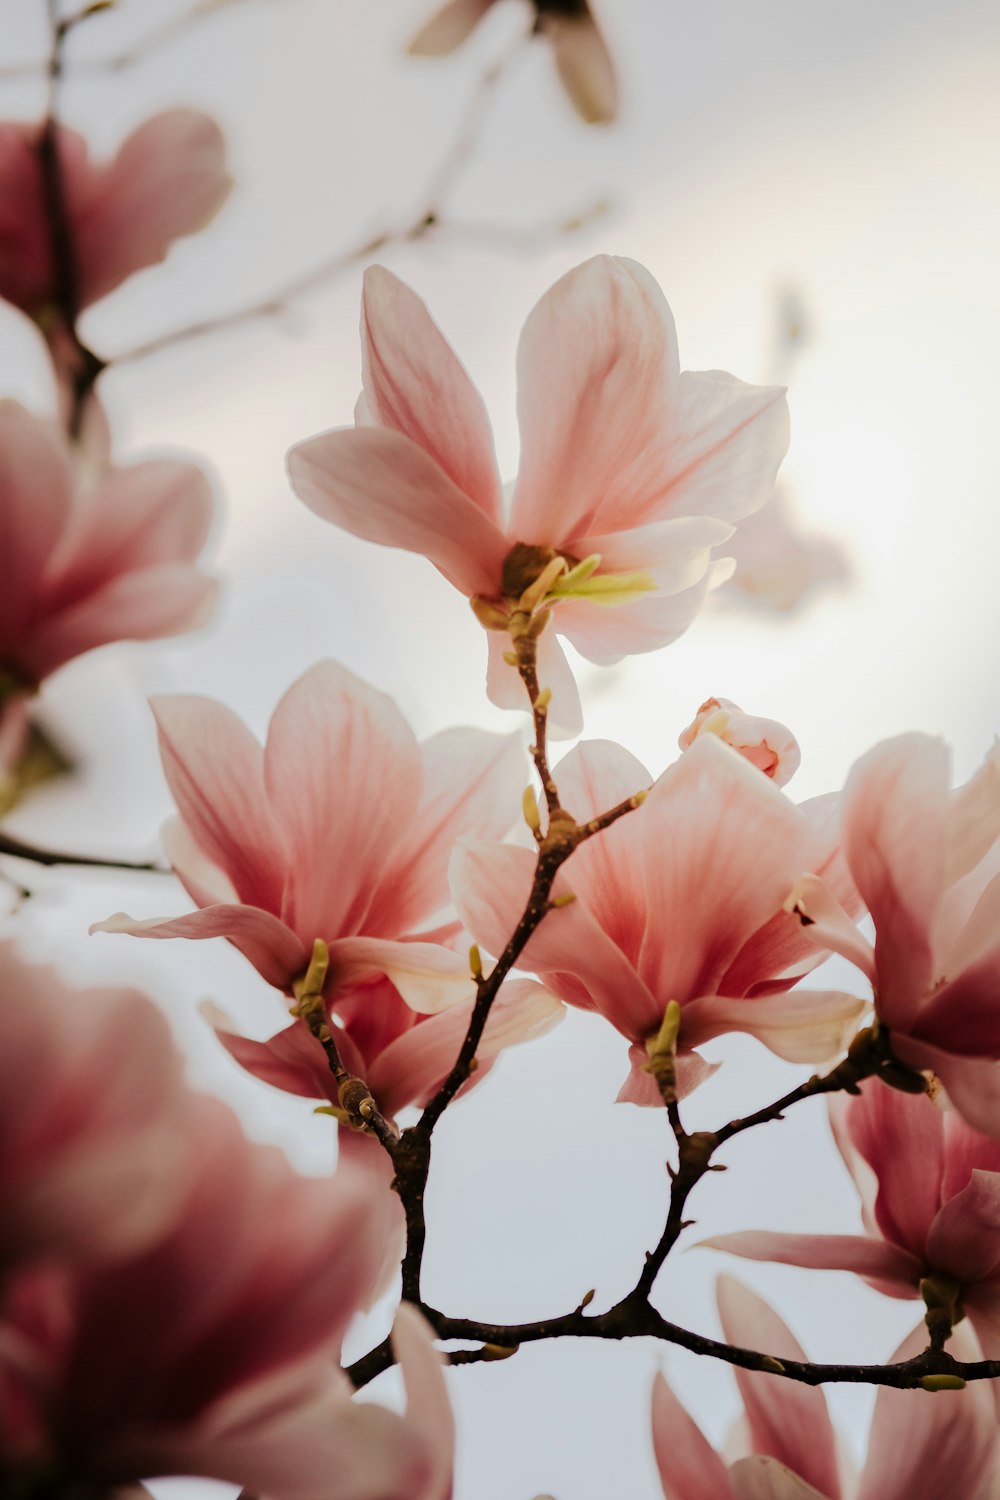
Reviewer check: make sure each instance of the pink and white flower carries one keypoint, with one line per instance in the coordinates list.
(920, 1447)
(167, 180)
(679, 900)
(624, 459)
(927, 863)
(340, 829)
(765, 743)
(90, 560)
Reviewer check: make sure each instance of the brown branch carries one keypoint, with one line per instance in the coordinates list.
(16, 849)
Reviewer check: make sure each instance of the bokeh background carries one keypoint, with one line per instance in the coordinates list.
(816, 189)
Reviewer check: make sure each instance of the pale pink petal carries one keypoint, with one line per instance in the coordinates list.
(168, 179)
(690, 1468)
(788, 1421)
(382, 487)
(472, 785)
(896, 1273)
(503, 685)
(597, 370)
(206, 883)
(291, 1060)
(901, 1137)
(586, 69)
(828, 925)
(414, 384)
(895, 829)
(605, 635)
(342, 772)
(429, 978)
(448, 27)
(978, 916)
(271, 947)
(570, 950)
(762, 1478)
(927, 1446)
(215, 769)
(412, 1066)
(971, 1083)
(428, 1410)
(641, 1088)
(505, 688)
(964, 1239)
(966, 1150)
(721, 850)
(803, 1026)
(973, 818)
(36, 486)
(766, 743)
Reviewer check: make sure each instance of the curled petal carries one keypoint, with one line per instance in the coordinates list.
(429, 978)
(271, 947)
(892, 1270)
(802, 1026)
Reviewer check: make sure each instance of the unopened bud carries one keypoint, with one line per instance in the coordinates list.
(773, 1366)
(489, 615)
(535, 592)
(499, 1351)
(942, 1382)
(566, 898)
(475, 962)
(544, 699)
(664, 1044)
(587, 1299)
(510, 657)
(529, 806)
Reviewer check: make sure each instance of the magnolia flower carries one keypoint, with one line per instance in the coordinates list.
(581, 52)
(765, 743)
(927, 864)
(167, 180)
(631, 471)
(919, 1448)
(778, 565)
(339, 829)
(214, 1352)
(94, 1148)
(680, 900)
(91, 560)
(930, 1196)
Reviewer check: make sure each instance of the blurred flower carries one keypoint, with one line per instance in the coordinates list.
(581, 53)
(765, 743)
(681, 900)
(930, 1196)
(778, 565)
(168, 179)
(94, 1146)
(214, 1352)
(631, 471)
(340, 829)
(91, 559)
(927, 864)
(916, 1447)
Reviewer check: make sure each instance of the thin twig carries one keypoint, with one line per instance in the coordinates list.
(16, 849)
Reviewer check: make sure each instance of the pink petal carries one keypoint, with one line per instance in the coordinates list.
(964, 1015)
(430, 978)
(382, 487)
(829, 927)
(428, 1410)
(169, 179)
(205, 882)
(640, 1087)
(895, 828)
(901, 1137)
(585, 68)
(763, 1478)
(972, 1083)
(892, 1270)
(472, 784)
(788, 1421)
(570, 949)
(36, 487)
(690, 1468)
(606, 635)
(965, 1151)
(25, 238)
(448, 27)
(291, 1060)
(964, 1239)
(804, 1026)
(271, 947)
(505, 688)
(766, 743)
(597, 371)
(415, 385)
(923, 1447)
(974, 819)
(215, 770)
(342, 772)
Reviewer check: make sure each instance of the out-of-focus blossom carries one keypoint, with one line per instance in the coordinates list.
(95, 1149)
(927, 863)
(168, 179)
(631, 471)
(214, 1351)
(340, 829)
(930, 1204)
(581, 53)
(778, 565)
(680, 900)
(765, 743)
(919, 1448)
(85, 560)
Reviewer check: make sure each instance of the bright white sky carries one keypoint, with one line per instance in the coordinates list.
(848, 152)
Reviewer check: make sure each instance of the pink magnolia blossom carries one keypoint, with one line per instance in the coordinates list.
(778, 564)
(168, 179)
(679, 900)
(581, 52)
(930, 1196)
(921, 1446)
(927, 863)
(765, 743)
(91, 560)
(214, 1351)
(623, 458)
(94, 1147)
(340, 829)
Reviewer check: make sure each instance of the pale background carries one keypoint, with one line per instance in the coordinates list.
(848, 153)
